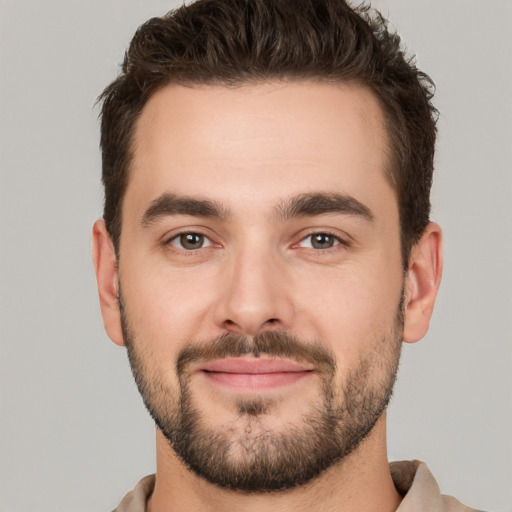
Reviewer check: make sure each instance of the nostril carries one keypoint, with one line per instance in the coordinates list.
(248, 326)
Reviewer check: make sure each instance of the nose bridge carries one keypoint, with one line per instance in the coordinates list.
(254, 296)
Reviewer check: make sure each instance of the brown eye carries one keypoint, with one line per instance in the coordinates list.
(190, 241)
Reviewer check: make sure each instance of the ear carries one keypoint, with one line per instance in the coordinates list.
(422, 282)
(105, 265)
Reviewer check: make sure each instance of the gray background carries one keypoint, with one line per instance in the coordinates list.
(74, 435)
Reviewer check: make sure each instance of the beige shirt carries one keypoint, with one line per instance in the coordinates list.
(412, 479)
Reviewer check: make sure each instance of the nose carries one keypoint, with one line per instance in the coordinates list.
(255, 296)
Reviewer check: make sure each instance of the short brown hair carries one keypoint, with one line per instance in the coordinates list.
(233, 42)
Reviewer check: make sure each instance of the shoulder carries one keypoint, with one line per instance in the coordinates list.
(135, 500)
(420, 491)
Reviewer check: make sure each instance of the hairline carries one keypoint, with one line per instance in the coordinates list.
(391, 158)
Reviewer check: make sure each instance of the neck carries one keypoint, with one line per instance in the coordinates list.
(362, 481)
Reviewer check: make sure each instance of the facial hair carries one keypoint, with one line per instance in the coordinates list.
(257, 459)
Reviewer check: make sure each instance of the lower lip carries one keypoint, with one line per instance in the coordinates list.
(256, 381)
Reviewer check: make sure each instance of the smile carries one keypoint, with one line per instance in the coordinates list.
(255, 373)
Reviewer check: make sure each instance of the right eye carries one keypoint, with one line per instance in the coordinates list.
(190, 241)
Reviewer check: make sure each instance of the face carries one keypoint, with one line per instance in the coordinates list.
(260, 277)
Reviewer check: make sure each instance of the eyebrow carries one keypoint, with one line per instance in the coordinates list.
(303, 205)
(170, 204)
(320, 203)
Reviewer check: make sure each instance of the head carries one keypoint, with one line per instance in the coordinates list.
(266, 245)
(232, 43)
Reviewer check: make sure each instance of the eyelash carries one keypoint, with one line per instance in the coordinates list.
(178, 236)
(337, 241)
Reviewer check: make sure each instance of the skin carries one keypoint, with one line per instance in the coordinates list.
(252, 149)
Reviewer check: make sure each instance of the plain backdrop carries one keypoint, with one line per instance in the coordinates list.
(74, 435)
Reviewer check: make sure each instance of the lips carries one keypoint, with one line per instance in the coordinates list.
(254, 373)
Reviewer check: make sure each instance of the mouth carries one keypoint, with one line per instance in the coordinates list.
(254, 374)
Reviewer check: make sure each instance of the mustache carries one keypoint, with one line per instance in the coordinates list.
(271, 343)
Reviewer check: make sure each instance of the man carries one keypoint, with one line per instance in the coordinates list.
(265, 249)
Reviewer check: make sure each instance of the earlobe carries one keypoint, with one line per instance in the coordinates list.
(105, 266)
(422, 282)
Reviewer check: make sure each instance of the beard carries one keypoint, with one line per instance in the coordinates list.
(248, 455)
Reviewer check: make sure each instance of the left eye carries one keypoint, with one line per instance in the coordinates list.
(320, 241)
(190, 241)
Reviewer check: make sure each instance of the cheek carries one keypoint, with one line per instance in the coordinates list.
(166, 307)
(352, 310)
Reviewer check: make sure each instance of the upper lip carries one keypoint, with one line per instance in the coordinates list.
(254, 365)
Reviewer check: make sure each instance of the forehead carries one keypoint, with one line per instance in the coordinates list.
(258, 140)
